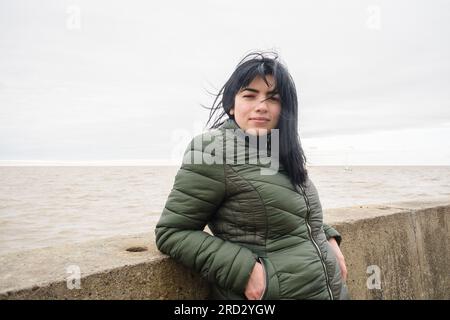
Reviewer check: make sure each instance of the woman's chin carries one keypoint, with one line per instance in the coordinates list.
(257, 131)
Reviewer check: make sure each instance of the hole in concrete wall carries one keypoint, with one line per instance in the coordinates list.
(137, 249)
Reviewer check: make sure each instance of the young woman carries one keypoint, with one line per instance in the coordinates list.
(268, 240)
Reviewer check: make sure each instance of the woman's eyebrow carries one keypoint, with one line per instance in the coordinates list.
(274, 91)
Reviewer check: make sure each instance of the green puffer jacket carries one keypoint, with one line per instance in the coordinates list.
(253, 217)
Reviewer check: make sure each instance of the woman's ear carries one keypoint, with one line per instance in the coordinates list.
(232, 111)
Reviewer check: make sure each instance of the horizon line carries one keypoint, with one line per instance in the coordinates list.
(166, 162)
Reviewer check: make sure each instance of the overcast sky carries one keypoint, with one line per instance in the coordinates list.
(104, 80)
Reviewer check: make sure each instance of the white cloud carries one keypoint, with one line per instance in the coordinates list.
(423, 146)
(135, 73)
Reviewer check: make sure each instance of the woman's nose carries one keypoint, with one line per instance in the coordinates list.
(262, 105)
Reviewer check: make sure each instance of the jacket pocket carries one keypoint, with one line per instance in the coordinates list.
(266, 279)
(272, 285)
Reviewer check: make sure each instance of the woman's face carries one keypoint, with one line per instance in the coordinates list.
(257, 107)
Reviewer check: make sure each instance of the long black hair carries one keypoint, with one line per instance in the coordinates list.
(261, 64)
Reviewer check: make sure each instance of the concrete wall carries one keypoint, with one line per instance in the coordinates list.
(407, 242)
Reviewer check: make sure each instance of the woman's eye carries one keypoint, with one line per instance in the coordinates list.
(271, 98)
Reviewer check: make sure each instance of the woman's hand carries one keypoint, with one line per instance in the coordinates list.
(256, 284)
(340, 257)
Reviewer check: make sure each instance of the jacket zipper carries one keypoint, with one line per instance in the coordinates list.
(315, 244)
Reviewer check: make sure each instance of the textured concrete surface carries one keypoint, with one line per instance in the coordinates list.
(408, 242)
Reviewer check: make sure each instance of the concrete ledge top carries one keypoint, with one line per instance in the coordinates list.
(370, 211)
(40, 267)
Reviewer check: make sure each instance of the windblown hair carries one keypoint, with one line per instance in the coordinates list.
(261, 64)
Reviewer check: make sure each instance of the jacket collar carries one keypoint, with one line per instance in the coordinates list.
(231, 130)
(232, 124)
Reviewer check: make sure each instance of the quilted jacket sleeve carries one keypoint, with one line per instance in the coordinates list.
(330, 232)
(197, 193)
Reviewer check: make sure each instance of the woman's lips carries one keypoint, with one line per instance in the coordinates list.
(259, 120)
